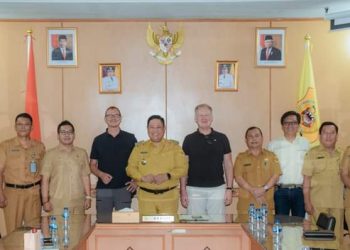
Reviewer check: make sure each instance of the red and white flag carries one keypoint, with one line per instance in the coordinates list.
(31, 102)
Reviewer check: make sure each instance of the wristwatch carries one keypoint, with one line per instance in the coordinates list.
(266, 188)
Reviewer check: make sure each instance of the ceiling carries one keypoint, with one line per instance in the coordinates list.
(170, 9)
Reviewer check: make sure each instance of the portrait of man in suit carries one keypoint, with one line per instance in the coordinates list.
(62, 52)
(270, 47)
(269, 52)
(62, 47)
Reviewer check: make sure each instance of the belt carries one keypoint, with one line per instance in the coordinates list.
(289, 186)
(157, 191)
(22, 186)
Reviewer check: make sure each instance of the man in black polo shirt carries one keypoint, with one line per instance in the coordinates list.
(108, 159)
(204, 190)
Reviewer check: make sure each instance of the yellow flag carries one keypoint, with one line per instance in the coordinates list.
(307, 105)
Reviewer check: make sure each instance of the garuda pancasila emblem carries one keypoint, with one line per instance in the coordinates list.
(166, 45)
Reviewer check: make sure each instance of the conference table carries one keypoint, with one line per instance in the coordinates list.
(187, 233)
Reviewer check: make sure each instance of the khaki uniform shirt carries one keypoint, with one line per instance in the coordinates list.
(148, 158)
(16, 161)
(326, 190)
(65, 170)
(257, 171)
(346, 164)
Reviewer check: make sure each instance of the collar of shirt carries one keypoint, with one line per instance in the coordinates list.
(337, 151)
(201, 134)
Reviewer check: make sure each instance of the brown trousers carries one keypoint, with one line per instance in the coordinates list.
(23, 207)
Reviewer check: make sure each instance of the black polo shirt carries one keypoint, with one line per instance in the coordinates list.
(112, 154)
(206, 156)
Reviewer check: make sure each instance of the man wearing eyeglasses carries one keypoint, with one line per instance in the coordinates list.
(108, 159)
(290, 150)
(208, 187)
(65, 175)
(20, 167)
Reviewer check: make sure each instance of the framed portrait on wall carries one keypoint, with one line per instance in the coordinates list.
(226, 76)
(62, 47)
(109, 80)
(270, 47)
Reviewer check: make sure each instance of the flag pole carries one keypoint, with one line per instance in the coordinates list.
(31, 99)
(307, 104)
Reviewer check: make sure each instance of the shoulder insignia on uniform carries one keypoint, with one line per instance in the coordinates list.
(139, 143)
(174, 141)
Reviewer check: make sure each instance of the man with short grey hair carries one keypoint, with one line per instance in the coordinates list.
(208, 186)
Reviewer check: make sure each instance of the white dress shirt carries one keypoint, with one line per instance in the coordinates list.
(291, 158)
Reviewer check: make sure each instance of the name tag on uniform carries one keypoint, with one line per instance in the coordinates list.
(320, 157)
(247, 164)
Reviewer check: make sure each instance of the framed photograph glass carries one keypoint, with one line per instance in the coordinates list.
(226, 76)
(270, 47)
(109, 79)
(62, 47)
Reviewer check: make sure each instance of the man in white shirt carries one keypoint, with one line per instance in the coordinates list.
(290, 150)
(225, 78)
(110, 81)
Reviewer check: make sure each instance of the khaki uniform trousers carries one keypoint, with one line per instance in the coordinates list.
(338, 214)
(23, 206)
(152, 204)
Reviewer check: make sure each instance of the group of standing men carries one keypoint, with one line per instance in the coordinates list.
(288, 177)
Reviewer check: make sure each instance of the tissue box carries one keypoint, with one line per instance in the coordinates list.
(32, 240)
(125, 217)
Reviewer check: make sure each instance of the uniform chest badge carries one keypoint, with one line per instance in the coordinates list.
(266, 162)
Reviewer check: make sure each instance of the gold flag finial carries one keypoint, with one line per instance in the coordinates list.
(307, 37)
(29, 32)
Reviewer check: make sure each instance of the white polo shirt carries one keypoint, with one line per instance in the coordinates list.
(291, 158)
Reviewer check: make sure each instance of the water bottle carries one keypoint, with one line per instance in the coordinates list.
(264, 212)
(53, 231)
(65, 237)
(258, 220)
(277, 235)
(65, 216)
(251, 215)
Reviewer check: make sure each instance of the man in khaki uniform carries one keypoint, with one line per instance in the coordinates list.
(256, 171)
(65, 175)
(345, 171)
(19, 175)
(157, 165)
(322, 187)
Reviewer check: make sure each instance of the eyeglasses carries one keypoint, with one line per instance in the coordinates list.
(63, 132)
(23, 124)
(113, 115)
(290, 123)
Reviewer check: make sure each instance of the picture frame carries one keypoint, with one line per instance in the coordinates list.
(109, 78)
(226, 76)
(270, 49)
(62, 48)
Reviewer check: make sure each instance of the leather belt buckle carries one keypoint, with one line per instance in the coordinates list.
(18, 186)
(289, 186)
(157, 191)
